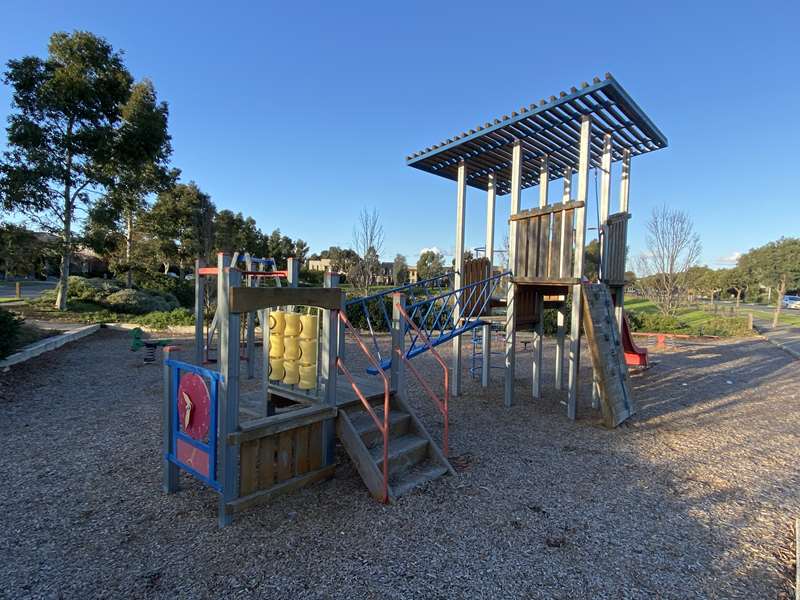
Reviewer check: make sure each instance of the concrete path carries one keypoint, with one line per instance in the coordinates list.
(783, 336)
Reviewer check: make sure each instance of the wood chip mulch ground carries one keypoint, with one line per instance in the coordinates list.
(694, 498)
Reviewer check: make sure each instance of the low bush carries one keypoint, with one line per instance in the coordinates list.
(724, 327)
(10, 327)
(165, 284)
(657, 323)
(139, 302)
(358, 316)
(163, 319)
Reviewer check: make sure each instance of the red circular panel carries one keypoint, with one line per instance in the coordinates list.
(194, 405)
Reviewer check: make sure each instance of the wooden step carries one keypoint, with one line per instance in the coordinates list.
(365, 427)
(404, 452)
(417, 476)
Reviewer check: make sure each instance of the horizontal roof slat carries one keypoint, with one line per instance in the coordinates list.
(549, 127)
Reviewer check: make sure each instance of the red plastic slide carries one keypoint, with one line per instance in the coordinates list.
(634, 355)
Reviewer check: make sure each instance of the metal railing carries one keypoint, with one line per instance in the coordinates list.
(441, 404)
(437, 314)
(382, 427)
(423, 288)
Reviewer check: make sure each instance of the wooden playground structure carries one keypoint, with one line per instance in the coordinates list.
(251, 446)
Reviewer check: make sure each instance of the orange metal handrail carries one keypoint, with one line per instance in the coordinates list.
(383, 428)
(440, 404)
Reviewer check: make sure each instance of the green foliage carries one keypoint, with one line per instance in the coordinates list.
(164, 319)
(181, 223)
(140, 302)
(723, 327)
(10, 327)
(591, 261)
(356, 315)
(430, 264)
(313, 278)
(159, 282)
(657, 323)
(400, 270)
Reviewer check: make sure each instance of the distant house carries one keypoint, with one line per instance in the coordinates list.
(385, 274)
(413, 277)
(320, 264)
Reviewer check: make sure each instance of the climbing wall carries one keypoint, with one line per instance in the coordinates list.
(608, 358)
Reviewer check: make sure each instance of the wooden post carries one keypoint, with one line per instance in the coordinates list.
(605, 199)
(292, 271)
(544, 180)
(18, 289)
(511, 319)
(603, 210)
(170, 483)
(625, 181)
(461, 201)
(250, 349)
(229, 325)
(486, 334)
(562, 313)
(328, 367)
(199, 311)
(398, 379)
(580, 240)
(538, 330)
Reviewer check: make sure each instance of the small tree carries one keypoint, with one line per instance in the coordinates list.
(736, 279)
(181, 221)
(400, 270)
(62, 133)
(672, 249)
(430, 264)
(776, 264)
(139, 164)
(368, 244)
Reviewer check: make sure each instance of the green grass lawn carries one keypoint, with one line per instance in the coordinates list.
(4, 299)
(787, 317)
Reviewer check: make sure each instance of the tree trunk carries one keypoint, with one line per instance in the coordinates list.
(166, 267)
(781, 293)
(128, 247)
(738, 299)
(66, 256)
(66, 234)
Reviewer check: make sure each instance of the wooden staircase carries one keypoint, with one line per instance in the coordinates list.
(608, 357)
(414, 458)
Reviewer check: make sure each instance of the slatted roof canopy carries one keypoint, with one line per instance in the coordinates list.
(550, 128)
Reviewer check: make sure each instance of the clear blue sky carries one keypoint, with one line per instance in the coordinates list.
(301, 113)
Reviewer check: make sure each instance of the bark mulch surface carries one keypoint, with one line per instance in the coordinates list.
(694, 498)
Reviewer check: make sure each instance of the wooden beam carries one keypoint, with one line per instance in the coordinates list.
(250, 299)
(511, 323)
(546, 210)
(486, 334)
(284, 487)
(266, 426)
(461, 202)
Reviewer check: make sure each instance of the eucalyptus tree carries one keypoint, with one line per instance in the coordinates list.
(61, 133)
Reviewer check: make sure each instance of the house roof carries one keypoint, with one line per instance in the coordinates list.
(552, 128)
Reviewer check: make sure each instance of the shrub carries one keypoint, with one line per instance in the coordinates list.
(140, 302)
(724, 327)
(159, 282)
(658, 323)
(10, 326)
(356, 315)
(162, 320)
